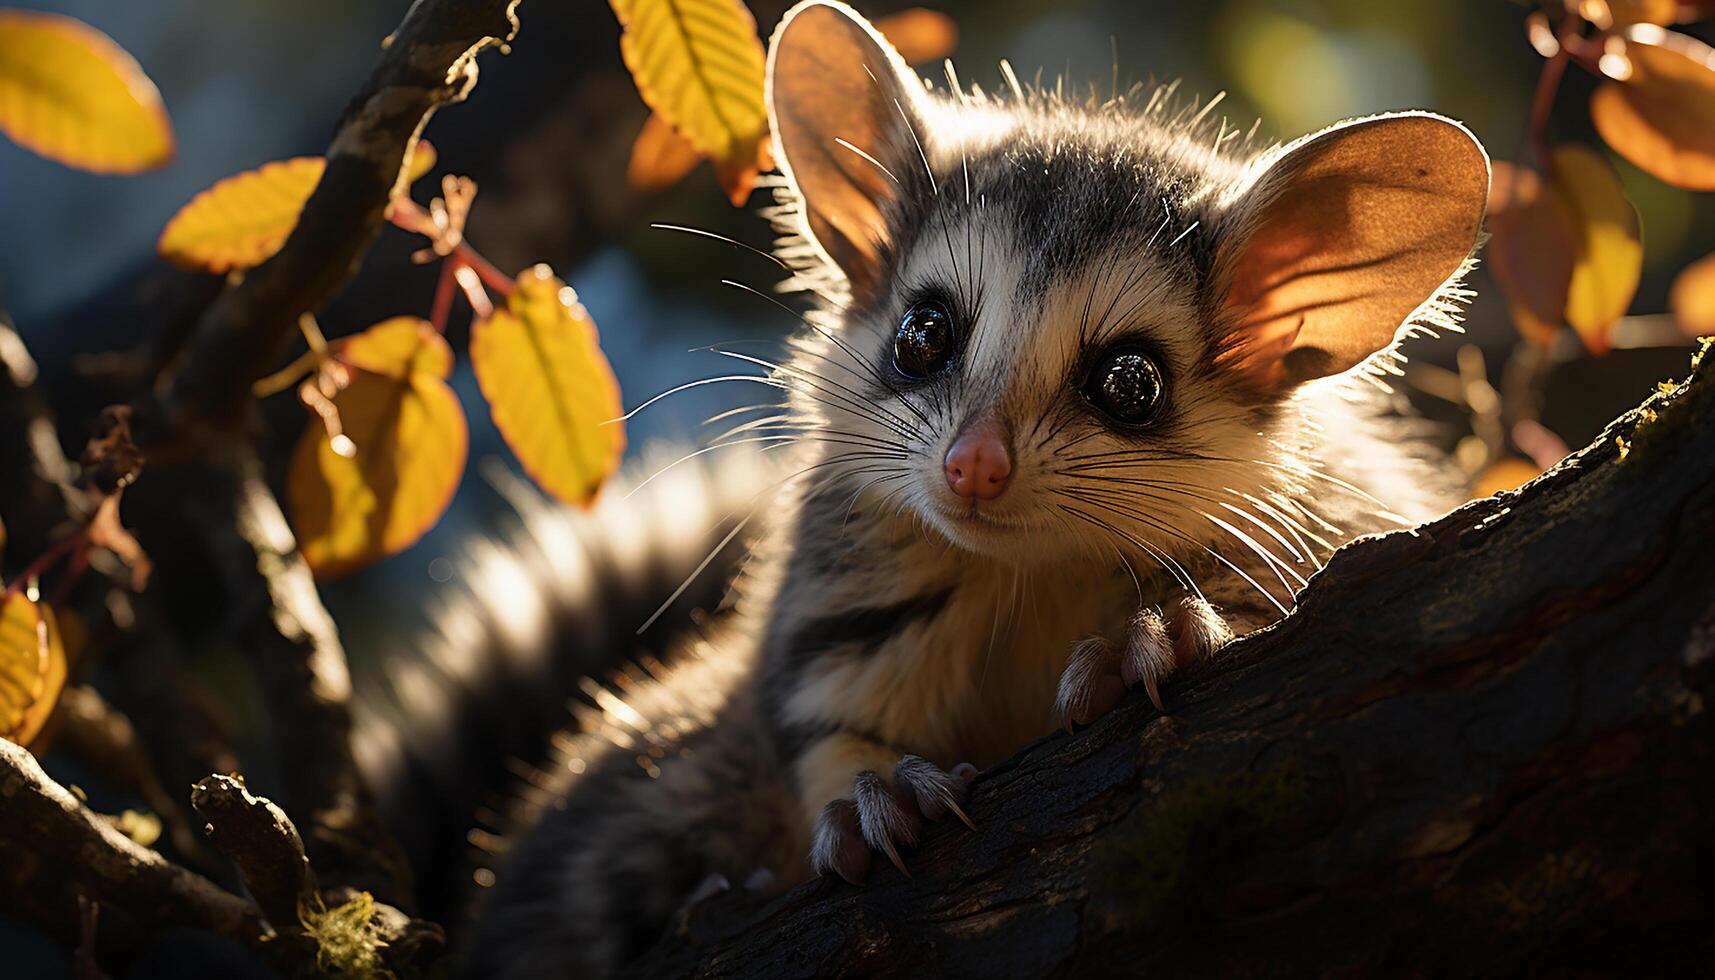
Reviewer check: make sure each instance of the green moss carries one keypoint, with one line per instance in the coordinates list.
(1172, 860)
(346, 944)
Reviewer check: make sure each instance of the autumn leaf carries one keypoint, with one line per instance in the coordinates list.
(1661, 114)
(1623, 12)
(244, 219)
(1508, 473)
(68, 92)
(660, 157)
(699, 64)
(920, 35)
(1610, 252)
(549, 386)
(32, 667)
(1692, 298)
(1531, 250)
(392, 475)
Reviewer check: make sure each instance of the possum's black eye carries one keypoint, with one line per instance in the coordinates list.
(923, 344)
(1126, 386)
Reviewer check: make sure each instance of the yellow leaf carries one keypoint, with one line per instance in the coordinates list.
(1660, 115)
(68, 92)
(1531, 250)
(1610, 251)
(141, 826)
(920, 35)
(244, 219)
(410, 440)
(549, 387)
(1508, 473)
(32, 668)
(661, 157)
(699, 64)
(1692, 298)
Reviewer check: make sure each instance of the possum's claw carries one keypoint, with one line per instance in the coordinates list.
(837, 843)
(935, 790)
(1098, 673)
(886, 816)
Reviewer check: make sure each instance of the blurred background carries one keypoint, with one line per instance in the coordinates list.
(547, 135)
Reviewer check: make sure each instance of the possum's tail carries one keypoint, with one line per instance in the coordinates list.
(444, 726)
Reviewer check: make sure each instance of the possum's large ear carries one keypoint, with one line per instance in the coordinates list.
(833, 80)
(1343, 237)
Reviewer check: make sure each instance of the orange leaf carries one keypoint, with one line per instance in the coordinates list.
(660, 157)
(1625, 12)
(699, 64)
(1661, 116)
(32, 668)
(1531, 250)
(244, 219)
(1692, 299)
(68, 92)
(1509, 473)
(920, 35)
(550, 389)
(407, 448)
(1610, 251)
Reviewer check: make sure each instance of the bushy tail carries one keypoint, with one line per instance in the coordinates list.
(442, 722)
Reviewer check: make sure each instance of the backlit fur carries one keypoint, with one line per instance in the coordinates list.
(883, 615)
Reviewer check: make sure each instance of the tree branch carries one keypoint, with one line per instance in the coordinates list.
(57, 849)
(1485, 740)
(260, 839)
(289, 638)
(104, 739)
(430, 61)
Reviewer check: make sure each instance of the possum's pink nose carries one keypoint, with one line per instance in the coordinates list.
(978, 465)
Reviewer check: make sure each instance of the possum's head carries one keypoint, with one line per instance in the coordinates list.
(1078, 325)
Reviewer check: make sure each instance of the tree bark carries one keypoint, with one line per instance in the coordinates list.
(1478, 745)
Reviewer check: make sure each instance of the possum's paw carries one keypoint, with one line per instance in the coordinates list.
(1098, 673)
(883, 815)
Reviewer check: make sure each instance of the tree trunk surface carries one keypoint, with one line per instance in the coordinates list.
(1476, 746)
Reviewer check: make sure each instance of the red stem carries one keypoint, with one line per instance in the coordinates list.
(443, 297)
(68, 579)
(45, 561)
(1548, 83)
(496, 280)
(491, 276)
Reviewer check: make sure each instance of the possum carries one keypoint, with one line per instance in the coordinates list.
(1089, 387)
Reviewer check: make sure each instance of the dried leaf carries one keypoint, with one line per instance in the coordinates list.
(920, 35)
(699, 64)
(32, 668)
(244, 219)
(1661, 115)
(106, 531)
(1504, 474)
(549, 386)
(68, 92)
(1692, 299)
(407, 443)
(1610, 255)
(660, 157)
(110, 460)
(1531, 250)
